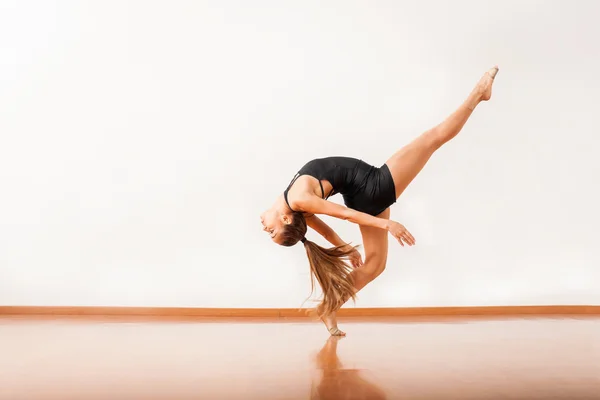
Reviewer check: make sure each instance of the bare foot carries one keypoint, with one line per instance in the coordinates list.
(330, 322)
(483, 89)
(486, 82)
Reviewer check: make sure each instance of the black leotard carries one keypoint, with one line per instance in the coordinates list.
(364, 187)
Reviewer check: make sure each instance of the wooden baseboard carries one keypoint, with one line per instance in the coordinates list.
(276, 313)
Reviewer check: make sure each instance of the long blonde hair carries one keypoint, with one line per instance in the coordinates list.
(328, 266)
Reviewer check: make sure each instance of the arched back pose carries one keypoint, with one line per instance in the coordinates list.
(368, 192)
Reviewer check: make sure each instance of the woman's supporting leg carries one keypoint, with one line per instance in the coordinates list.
(407, 162)
(375, 242)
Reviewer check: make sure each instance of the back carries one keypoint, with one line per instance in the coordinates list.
(341, 172)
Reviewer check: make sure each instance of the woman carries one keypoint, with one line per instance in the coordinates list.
(368, 192)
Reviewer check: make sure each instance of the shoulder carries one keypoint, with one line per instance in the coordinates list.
(312, 204)
(303, 201)
(315, 205)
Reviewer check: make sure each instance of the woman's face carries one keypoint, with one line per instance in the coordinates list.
(272, 223)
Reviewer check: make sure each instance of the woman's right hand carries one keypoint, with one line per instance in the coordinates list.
(400, 233)
(355, 258)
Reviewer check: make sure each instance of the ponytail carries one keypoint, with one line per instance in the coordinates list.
(328, 266)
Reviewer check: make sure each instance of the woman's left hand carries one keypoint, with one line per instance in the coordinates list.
(355, 259)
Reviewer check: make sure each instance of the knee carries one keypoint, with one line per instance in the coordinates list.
(380, 268)
(433, 139)
(375, 267)
(370, 270)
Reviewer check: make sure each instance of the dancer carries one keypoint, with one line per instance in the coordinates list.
(368, 192)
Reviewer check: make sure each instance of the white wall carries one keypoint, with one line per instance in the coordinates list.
(140, 141)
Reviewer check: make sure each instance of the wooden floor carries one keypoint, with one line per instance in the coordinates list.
(451, 358)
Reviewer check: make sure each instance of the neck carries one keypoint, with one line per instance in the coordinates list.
(281, 206)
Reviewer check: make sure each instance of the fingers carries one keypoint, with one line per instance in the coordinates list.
(401, 234)
(356, 261)
(405, 237)
(410, 237)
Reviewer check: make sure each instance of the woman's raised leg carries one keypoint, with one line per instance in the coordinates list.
(404, 166)
(407, 162)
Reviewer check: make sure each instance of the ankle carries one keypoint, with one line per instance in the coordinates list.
(472, 101)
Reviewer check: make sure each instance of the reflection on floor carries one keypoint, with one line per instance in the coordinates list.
(338, 382)
(450, 358)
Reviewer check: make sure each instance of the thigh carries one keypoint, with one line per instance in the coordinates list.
(375, 242)
(406, 163)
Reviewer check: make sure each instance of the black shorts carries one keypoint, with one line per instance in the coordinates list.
(373, 189)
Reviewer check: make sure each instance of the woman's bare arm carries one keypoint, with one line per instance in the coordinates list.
(316, 205)
(324, 230)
